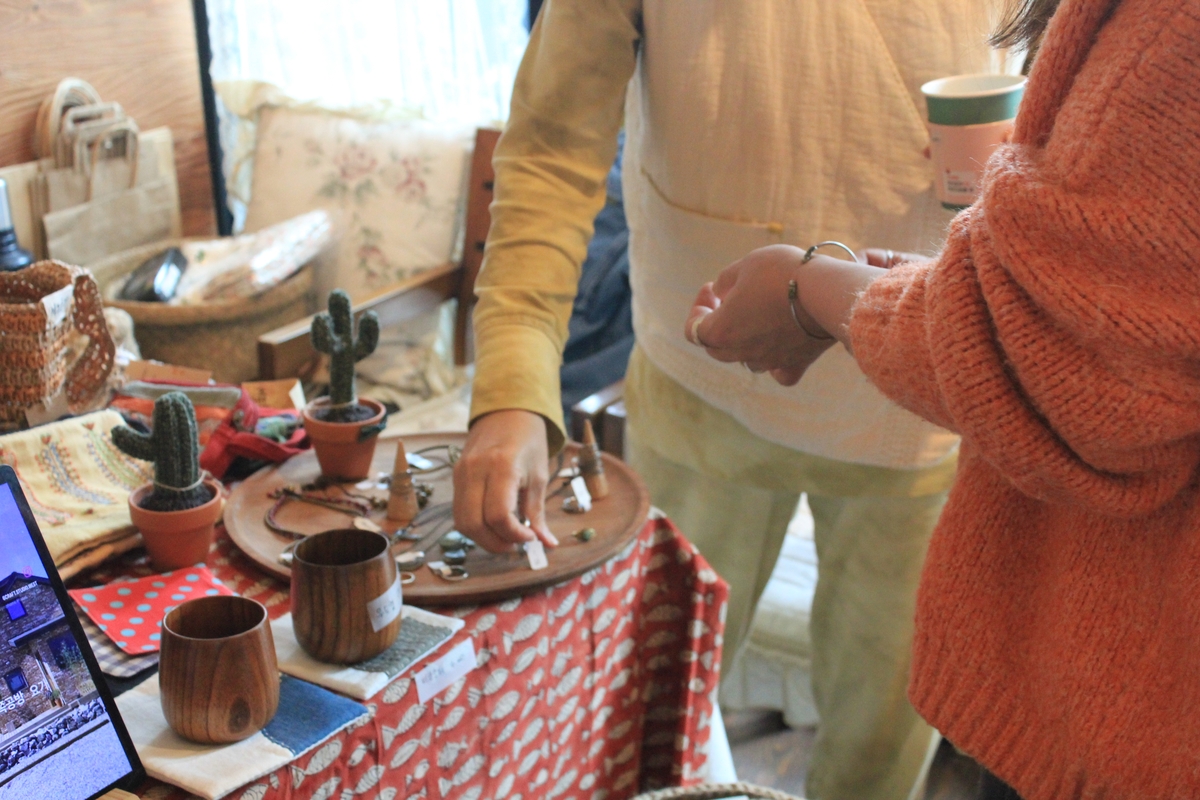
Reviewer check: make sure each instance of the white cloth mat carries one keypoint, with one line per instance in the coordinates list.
(355, 681)
(307, 716)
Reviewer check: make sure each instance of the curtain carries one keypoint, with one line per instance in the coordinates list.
(450, 60)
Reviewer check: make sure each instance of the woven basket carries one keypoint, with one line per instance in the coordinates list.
(222, 336)
(40, 307)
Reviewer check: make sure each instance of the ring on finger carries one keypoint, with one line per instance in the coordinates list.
(695, 331)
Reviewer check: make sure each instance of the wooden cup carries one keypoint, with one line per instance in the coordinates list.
(345, 595)
(217, 671)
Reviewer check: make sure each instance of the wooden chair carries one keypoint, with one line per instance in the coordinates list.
(286, 351)
(606, 411)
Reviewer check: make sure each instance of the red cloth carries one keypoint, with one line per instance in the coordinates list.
(1058, 617)
(606, 681)
(236, 437)
(224, 433)
(130, 612)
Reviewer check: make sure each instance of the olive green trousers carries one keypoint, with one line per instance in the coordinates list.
(733, 494)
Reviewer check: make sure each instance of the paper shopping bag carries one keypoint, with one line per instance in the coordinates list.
(89, 232)
(95, 177)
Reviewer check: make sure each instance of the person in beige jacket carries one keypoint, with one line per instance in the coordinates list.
(748, 123)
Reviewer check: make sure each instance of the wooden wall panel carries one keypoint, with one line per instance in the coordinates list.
(139, 53)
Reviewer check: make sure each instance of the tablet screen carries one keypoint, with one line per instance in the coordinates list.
(58, 740)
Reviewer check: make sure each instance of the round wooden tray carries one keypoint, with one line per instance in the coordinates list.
(617, 520)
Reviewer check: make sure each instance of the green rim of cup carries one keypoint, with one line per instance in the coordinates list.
(973, 99)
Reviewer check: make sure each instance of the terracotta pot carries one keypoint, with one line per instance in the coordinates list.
(176, 539)
(339, 451)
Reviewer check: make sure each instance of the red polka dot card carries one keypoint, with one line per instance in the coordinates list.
(130, 612)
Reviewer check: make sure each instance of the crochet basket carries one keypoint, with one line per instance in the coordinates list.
(42, 309)
(220, 336)
(715, 791)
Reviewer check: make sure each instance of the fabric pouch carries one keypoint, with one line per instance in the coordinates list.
(111, 659)
(77, 483)
(130, 612)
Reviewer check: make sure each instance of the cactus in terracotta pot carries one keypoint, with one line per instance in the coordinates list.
(333, 333)
(174, 449)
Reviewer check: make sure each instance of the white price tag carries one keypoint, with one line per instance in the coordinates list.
(385, 608)
(418, 461)
(446, 670)
(535, 551)
(367, 524)
(579, 487)
(57, 304)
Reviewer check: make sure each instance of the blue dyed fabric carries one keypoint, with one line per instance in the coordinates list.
(601, 327)
(308, 715)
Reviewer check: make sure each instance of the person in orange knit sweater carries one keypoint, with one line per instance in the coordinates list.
(1058, 331)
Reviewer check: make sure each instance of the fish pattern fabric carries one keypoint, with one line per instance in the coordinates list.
(601, 686)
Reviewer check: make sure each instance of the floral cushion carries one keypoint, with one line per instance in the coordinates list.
(394, 189)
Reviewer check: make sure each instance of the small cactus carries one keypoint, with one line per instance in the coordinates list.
(174, 449)
(333, 333)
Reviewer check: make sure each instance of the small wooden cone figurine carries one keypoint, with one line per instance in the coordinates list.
(590, 465)
(402, 497)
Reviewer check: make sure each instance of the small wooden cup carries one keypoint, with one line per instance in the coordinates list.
(344, 586)
(217, 671)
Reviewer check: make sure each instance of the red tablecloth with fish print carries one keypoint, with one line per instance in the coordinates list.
(596, 688)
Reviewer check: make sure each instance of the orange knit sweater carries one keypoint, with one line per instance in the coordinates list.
(1058, 630)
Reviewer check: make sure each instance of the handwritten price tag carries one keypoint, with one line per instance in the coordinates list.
(57, 305)
(446, 670)
(386, 607)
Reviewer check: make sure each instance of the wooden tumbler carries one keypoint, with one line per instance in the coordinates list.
(217, 672)
(346, 598)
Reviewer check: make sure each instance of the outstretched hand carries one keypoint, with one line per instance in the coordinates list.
(744, 316)
(500, 481)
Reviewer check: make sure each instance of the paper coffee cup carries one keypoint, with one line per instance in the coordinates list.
(969, 116)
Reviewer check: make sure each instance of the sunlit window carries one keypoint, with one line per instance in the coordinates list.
(452, 60)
